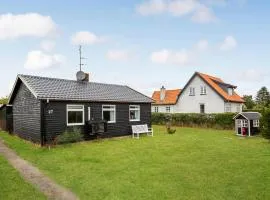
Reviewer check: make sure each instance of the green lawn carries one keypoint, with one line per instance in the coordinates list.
(12, 185)
(191, 164)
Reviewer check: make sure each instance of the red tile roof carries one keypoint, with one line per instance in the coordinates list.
(171, 97)
(212, 81)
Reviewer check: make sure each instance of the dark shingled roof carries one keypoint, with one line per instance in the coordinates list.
(249, 115)
(62, 89)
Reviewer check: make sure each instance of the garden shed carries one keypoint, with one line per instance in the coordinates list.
(247, 123)
(6, 119)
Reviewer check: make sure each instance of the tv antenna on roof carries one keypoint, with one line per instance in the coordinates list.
(80, 74)
(81, 58)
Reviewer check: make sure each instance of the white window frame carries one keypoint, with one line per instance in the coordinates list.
(168, 109)
(245, 123)
(239, 123)
(70, 109)
(230, 91)
(228, 107)
(113, 108)
(138, 108)
(192, 91)
(156, 109)
(256, 123)
(203, 90)
(89, 113)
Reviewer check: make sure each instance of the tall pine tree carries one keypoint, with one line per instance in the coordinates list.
(263, 98)
(249, 102)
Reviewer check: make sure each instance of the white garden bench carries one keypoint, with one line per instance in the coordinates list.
(138, 129)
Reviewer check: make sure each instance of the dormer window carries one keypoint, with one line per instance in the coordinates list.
(230, 91)
(203, 90)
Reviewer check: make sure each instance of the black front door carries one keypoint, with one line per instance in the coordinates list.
(202, 108)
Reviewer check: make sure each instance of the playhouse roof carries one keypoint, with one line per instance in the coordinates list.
(249, 115)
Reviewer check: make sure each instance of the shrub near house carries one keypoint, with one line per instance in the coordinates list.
(218, 121)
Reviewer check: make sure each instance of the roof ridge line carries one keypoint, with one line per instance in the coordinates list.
(62, 79)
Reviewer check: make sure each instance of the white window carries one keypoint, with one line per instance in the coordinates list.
(109, 113)
(239, 123)
(245, 123)
(191, 91)
(89, 113)
(156, 109)
(75, 115)
(228, 107)
(203, 90)
(230, 91)
(256, 123)
(168, 109)
(134, 113)
(238, 108)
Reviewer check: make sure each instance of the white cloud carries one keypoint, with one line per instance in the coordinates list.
(203, 14)
(118, 55)
(252, 75)
(23, 25)
(216, 2)
(47, 45)
(200, 12)
(202, 45)
(86, 38)
(152, 7)
(228, 44)
(38, 60)
(182, 7)
(166, 56)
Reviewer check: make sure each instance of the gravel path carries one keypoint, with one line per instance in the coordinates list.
(34, 176)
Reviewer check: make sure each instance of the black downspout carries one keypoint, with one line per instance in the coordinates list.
(42, 123)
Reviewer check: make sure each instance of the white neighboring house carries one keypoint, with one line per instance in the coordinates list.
(165, 100)
(204, 94)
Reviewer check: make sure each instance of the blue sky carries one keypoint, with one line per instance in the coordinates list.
(141, 43)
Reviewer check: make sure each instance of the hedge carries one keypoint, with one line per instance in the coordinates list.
(265, 124)
(217, 121)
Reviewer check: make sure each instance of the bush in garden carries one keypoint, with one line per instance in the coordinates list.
(69, 137)
(265, 124)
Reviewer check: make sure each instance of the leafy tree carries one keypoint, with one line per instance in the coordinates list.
(263, 97)
(265, 123)
(249, 102)
(4, 100)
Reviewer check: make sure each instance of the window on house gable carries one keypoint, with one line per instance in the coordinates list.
(75, 115)
(203, 90)
(228, 107)
(168, 109)
(109, 113)
(191, 91)
(134, 113)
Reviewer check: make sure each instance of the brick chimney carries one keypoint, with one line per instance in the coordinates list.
(162, 93)
(86, 77)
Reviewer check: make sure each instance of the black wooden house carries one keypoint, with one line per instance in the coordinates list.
(46, 107)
